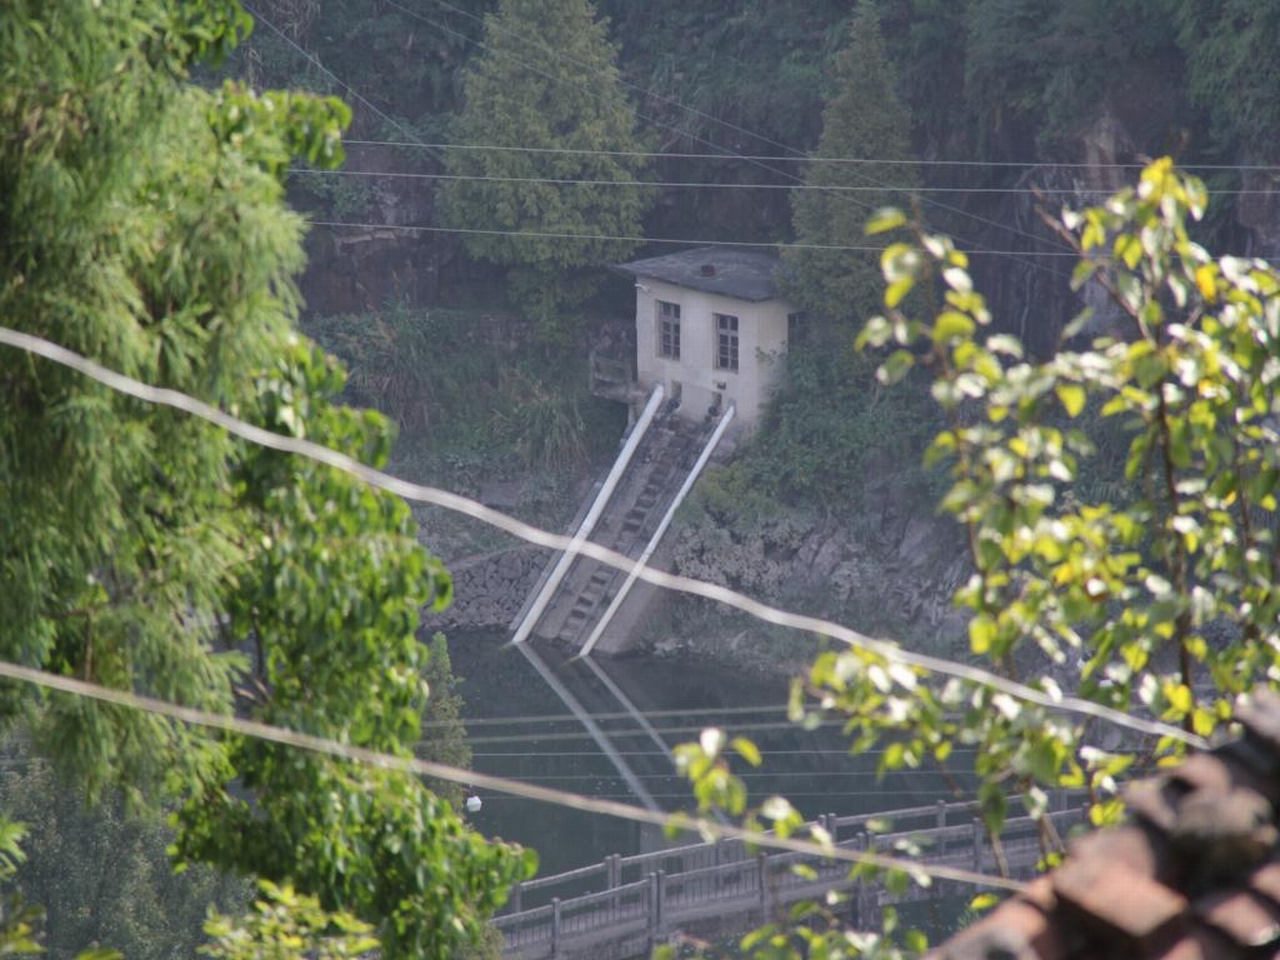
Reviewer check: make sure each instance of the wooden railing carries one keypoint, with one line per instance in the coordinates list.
(622, 906)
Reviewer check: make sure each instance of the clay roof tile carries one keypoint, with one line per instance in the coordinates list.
(1244, 916)
(1117, 903)
(1194, 876)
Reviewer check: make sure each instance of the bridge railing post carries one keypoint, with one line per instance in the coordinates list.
(516, 890)
(865, 907)
(978, 838)
(555, 928)
(762, 885)
(613, 877)
(651, 911)
(833, 827)
(660, 899)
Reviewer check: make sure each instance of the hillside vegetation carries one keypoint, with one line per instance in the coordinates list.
(977, 104)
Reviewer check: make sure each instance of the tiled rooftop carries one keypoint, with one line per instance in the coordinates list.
(1194, 873)
(745, 274)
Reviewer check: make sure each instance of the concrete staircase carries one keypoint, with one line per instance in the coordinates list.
(633, 513)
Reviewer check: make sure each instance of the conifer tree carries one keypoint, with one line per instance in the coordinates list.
(863, 119)
(546, 79)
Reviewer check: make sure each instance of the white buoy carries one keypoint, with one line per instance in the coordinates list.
(474, 804)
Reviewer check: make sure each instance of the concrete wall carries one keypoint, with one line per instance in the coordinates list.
(762, 345)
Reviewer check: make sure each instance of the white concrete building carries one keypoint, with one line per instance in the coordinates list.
(712, 328)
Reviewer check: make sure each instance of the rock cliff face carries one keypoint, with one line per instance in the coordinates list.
(1028, 289)
(489, 590)
(890, 571)
(378, 259)
(1258, 212)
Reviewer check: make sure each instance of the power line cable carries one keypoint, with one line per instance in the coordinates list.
(972, 245)
(707, 185)
(543, 235)
(860, 775)
(814, 752)
(776, 708)
(911, 795)
(560, 55)
(476, 779)
(634, 732)
(804, 158)
(892, 654)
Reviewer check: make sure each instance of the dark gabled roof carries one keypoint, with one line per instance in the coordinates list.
(744, 274)
(1194, 874)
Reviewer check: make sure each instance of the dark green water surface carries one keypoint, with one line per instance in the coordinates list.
(520, 728)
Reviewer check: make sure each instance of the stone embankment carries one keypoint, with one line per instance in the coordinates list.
(891, 572)
(490, 588)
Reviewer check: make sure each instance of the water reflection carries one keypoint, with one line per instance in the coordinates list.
(520, 728)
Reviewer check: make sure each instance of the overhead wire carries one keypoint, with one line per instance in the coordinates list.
(582, 735)
(546, 235)
(560, 55)
(477, 780)
(808, 752)
(525, 718)
(911, 796)
(973, 247)
(709, 185)
(806, 158)
(890, 653)
(860, 775)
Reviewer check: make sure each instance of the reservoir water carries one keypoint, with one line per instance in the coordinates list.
(519, 727)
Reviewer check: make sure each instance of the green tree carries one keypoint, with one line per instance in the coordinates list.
(546, 79)
(444, 736)
(142, 224)
(284, 924)
(100, 875)
(1162, 600)
(18, 919)
(1155, 596)
(1231, 73)
(863, 119)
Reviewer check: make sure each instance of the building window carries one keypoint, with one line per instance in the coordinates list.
(726, 342)
(668, 330)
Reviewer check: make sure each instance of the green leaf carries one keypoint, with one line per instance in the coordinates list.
(1005, 343)
(982, 634)
(900, 261)
(884, 220)
(957, 279)
(897, 290)
(747, 750)
(952, 325)
(983, 902)
(895, 367)
(1083, 271)
(1072, 397)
